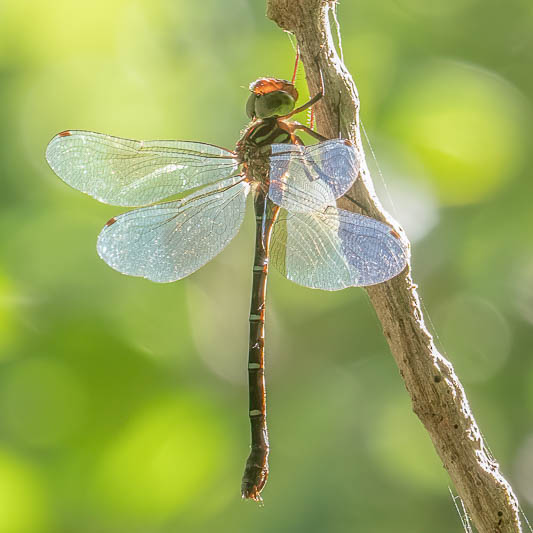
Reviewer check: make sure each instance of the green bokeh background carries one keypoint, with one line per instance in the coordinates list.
(123, 403)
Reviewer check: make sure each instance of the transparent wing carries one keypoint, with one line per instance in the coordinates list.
(335, 249)
(166, 242)
(306, 178)
(134, 173)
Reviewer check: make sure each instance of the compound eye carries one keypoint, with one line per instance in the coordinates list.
(250, 106)
(274, 104)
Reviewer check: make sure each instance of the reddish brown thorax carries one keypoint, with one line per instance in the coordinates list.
(269, 85)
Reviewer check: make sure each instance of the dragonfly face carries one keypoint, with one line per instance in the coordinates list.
(271, 98)
(299, 229)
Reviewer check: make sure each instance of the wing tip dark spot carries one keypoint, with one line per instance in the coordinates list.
(395, 234)
(65, 133)
(110, 222)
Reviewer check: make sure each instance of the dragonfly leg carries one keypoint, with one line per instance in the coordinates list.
(314, 134)
(291, 127)
(303, 107)
(296, 61)
(309, 103)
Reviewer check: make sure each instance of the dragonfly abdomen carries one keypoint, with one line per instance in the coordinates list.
(256, 470)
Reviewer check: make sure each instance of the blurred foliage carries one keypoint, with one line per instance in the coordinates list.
(123, 403)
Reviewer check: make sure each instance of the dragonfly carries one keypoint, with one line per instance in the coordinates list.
(299, 228)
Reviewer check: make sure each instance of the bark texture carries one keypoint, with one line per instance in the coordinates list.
(437, 395)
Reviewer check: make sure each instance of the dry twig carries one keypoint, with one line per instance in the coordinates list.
(437, 395)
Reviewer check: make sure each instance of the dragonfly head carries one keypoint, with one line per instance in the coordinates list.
(271, 97)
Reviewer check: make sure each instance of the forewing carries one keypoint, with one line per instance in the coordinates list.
(134, 173)
(166, 242)
(335, 249)
(306, 178)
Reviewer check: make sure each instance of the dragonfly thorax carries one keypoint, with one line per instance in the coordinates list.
(253, 148)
